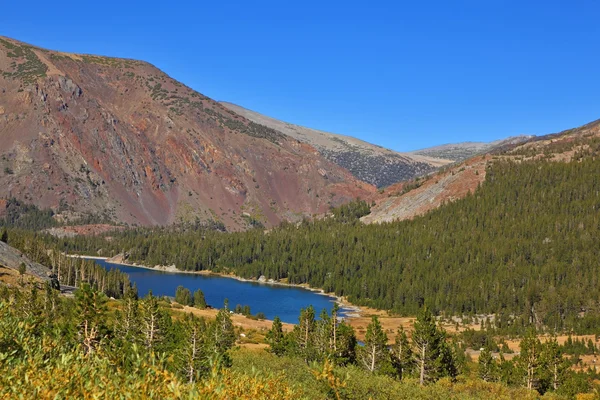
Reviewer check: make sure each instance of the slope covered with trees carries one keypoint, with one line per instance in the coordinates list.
(522, 246)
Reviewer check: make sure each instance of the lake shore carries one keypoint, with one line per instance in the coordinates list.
(351, 311)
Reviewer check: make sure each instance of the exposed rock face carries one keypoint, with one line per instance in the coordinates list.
(434, 191)
(12, 258)
(367, 162)
(120, 138)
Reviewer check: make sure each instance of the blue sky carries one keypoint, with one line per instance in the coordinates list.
(405, 75)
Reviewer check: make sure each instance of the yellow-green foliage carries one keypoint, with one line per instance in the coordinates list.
(39, 361)
(322, 382)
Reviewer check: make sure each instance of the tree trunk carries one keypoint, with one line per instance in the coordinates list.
(373, 359)
(422, 367)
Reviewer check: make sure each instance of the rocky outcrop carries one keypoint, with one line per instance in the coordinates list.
(13, 258)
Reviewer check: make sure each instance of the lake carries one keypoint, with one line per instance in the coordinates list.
(272, 300)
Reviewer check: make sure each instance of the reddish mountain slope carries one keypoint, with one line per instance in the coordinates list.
(120, 138)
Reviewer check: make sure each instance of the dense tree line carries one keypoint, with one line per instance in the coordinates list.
(70, 271)
(522, 246)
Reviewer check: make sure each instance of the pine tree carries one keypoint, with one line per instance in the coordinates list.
(51, 304)
(487, 365)
(222, 336)
(345, 350)
(150, 313)
(433, 357)
(402, 357)
(199, 300)
(127, 320)
(91, 309)
(192, 350)
(323, 336)
(530, 361)
(334, 329)
(276, 338)
(183, 296)
(304, 333)
(554, 361)
(374, 353)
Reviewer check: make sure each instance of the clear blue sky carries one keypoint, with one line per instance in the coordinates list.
(402, 74)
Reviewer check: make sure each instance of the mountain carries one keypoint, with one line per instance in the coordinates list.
(368, 162)
(462, 151)
(409, 199)
(120, 140)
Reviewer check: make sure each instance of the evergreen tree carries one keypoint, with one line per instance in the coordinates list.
(276, 338)
(487, 365)
(433, 357)
(150, 313)
(127, 320)
(183, 296)
(591, 347)
(51, 304)
(303, 333)
(193, 351)
(199, 300)
(222, 334)
(345, 348)
(91, 308)
(402, 357)
(374, 354)
(323, 334)
(555, 363)
(530, 361)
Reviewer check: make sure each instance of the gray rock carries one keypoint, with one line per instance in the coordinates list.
(12, 258)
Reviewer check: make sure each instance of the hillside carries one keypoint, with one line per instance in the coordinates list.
(521, 242)
(121, 140)
(409, 199)
(368, 162)
(465, 150)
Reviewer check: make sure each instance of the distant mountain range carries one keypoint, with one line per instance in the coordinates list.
(368, 162)
(462, 151)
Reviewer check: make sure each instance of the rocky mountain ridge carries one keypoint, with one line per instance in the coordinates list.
(465, 150)
(120, 139)
(368, 162)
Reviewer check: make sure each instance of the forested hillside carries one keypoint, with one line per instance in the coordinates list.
(523, 246)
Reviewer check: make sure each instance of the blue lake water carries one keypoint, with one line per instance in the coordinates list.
(272, 300)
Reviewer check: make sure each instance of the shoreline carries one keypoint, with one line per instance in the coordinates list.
(352, 310)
